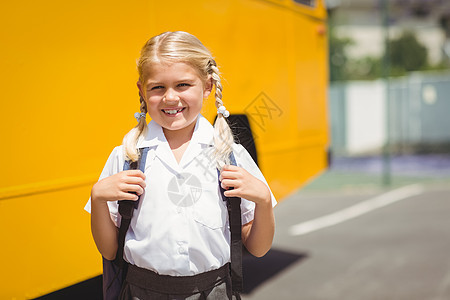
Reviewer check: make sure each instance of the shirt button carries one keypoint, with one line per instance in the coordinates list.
(181, 250)
(179, 210)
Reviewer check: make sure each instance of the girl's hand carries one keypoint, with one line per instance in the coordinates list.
(119, 187)
(244, 185)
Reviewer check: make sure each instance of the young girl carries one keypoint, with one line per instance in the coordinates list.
(180, 228)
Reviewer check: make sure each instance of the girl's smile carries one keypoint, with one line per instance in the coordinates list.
(173, 111)
(174, 94)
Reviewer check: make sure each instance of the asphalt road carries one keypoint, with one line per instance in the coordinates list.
(392, 246)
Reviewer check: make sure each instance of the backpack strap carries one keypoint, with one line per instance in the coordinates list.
(127, 207)
(234, 216)
(114, 272)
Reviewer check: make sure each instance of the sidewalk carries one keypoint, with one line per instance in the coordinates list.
(366, 173)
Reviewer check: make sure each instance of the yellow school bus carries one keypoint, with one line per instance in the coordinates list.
(69, 93)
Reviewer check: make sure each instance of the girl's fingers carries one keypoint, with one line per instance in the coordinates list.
(231, 193)
(135, 181)
(227, 183)
(135, 188)
(229, 168)
(223, 185)
(229, 174)
(135, 173)
(128, 196)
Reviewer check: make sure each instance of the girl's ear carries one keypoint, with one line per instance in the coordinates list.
(141, 90)
(208, 87)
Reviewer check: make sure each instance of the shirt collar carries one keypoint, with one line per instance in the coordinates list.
(203, 134)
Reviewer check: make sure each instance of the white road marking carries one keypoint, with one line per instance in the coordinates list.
(357, 210)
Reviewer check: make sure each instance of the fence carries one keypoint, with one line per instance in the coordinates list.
(418, 109)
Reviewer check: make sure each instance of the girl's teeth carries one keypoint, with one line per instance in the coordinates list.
(172, 111)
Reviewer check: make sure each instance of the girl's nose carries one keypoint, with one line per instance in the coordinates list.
(171, 96)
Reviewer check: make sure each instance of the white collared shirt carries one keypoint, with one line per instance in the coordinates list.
(180, 227)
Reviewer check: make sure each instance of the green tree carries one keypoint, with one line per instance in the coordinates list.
(407, 54)
(337, 58)
(365, 68)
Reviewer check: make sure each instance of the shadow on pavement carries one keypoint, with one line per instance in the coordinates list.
(90, 289)
(257, 270)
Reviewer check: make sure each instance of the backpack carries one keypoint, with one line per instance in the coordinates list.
(114, 271)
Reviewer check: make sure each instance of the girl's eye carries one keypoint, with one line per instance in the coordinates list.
(156, 87)
(183, 84)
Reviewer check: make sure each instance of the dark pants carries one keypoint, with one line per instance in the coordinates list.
(142, 284)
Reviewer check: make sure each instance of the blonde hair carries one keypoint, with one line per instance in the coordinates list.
(179, 46)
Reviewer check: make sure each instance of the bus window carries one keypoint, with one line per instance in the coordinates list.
(311, 3)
